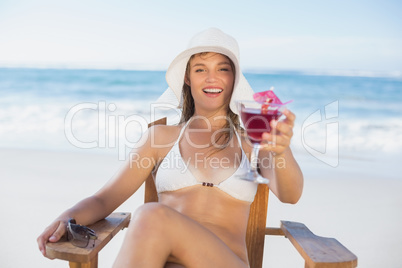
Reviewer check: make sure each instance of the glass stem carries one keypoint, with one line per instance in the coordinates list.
(254, 157)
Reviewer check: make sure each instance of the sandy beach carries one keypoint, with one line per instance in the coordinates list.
(356, 203)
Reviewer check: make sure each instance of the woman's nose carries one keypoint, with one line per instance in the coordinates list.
(211, 77)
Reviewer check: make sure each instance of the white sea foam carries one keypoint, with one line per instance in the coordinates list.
(361, 138)
(45, 126)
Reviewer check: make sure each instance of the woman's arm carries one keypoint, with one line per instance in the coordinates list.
(277, 162)
(110, 196)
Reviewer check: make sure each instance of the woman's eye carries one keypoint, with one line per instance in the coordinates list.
(199, 70)
(225, 69)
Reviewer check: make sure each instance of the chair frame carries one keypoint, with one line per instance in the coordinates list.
(318, 252)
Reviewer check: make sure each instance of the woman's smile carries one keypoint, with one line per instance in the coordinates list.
(212, 92)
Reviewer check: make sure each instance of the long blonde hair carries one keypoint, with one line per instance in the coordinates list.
(232, 122)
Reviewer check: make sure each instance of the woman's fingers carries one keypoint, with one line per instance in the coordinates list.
(60, 231)
(290, 117)
(276, 140)
(275, 144)
(282, 128)
(281, 134)
(53, 233)
(44, 237)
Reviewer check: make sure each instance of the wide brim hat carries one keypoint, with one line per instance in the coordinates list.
(210, 40)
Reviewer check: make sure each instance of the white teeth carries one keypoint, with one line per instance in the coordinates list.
(212, 90)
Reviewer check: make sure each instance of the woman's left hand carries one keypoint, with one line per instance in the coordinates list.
(281, 133)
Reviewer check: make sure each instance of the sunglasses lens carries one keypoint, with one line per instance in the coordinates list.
(78, 239)
(80, 242)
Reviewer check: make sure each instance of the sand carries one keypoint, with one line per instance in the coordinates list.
(359, 203)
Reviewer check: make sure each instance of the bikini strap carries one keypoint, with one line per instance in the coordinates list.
(182, 131)
(238, 138)
(244, 157)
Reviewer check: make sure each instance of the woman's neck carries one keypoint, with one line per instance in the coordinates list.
(211, 121)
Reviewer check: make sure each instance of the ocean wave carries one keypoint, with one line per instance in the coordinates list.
(45, 126)
(361, 137)
(322, 72)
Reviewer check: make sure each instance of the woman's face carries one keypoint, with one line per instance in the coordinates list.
(211, 80)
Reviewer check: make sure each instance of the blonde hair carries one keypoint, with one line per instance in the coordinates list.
(232, 122)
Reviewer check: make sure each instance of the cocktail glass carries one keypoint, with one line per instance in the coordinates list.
(256, 118)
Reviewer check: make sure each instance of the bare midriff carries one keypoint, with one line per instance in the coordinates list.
(216, 211)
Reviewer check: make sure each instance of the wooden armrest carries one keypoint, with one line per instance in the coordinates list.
(105, 230)
(273, 231)
(317, 251)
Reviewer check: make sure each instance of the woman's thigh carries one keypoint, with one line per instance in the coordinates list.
(191, 244)
(173, 265)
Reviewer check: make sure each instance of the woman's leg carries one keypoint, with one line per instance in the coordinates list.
(158, 233)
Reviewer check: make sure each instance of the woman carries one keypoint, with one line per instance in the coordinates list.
(202, 213)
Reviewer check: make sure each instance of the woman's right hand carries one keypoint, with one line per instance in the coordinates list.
(52, 234)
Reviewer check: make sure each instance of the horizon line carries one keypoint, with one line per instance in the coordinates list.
(247, 70)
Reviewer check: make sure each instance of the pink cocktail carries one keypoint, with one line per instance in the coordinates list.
(257, 118)
(257, 121)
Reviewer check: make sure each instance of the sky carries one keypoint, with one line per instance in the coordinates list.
(343, 35)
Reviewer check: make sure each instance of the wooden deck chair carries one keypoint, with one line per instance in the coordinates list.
(318, 252)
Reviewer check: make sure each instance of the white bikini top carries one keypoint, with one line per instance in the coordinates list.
(173, 174)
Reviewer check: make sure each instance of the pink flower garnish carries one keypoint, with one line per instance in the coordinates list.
(267, 97)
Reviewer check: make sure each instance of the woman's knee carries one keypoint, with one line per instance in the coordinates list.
(151, 216)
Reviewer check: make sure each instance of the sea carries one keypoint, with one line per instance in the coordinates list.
(339, 116)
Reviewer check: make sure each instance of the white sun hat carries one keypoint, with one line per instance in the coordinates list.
(210, 40)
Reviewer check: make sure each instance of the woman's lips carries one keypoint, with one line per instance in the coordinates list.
(212, 91)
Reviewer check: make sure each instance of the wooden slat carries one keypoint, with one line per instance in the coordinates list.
(318, 252)
(105, 229)
(92, 264)
(255, 236)
(274, 231)
(150, 190)
(161, 121)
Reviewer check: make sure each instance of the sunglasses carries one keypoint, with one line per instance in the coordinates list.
(80, 235)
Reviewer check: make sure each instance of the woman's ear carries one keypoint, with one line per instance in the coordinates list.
(187, 81)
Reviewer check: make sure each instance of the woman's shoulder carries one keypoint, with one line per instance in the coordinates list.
(164, 134)
(157, 140)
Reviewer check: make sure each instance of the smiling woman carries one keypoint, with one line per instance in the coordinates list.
(206, 203)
